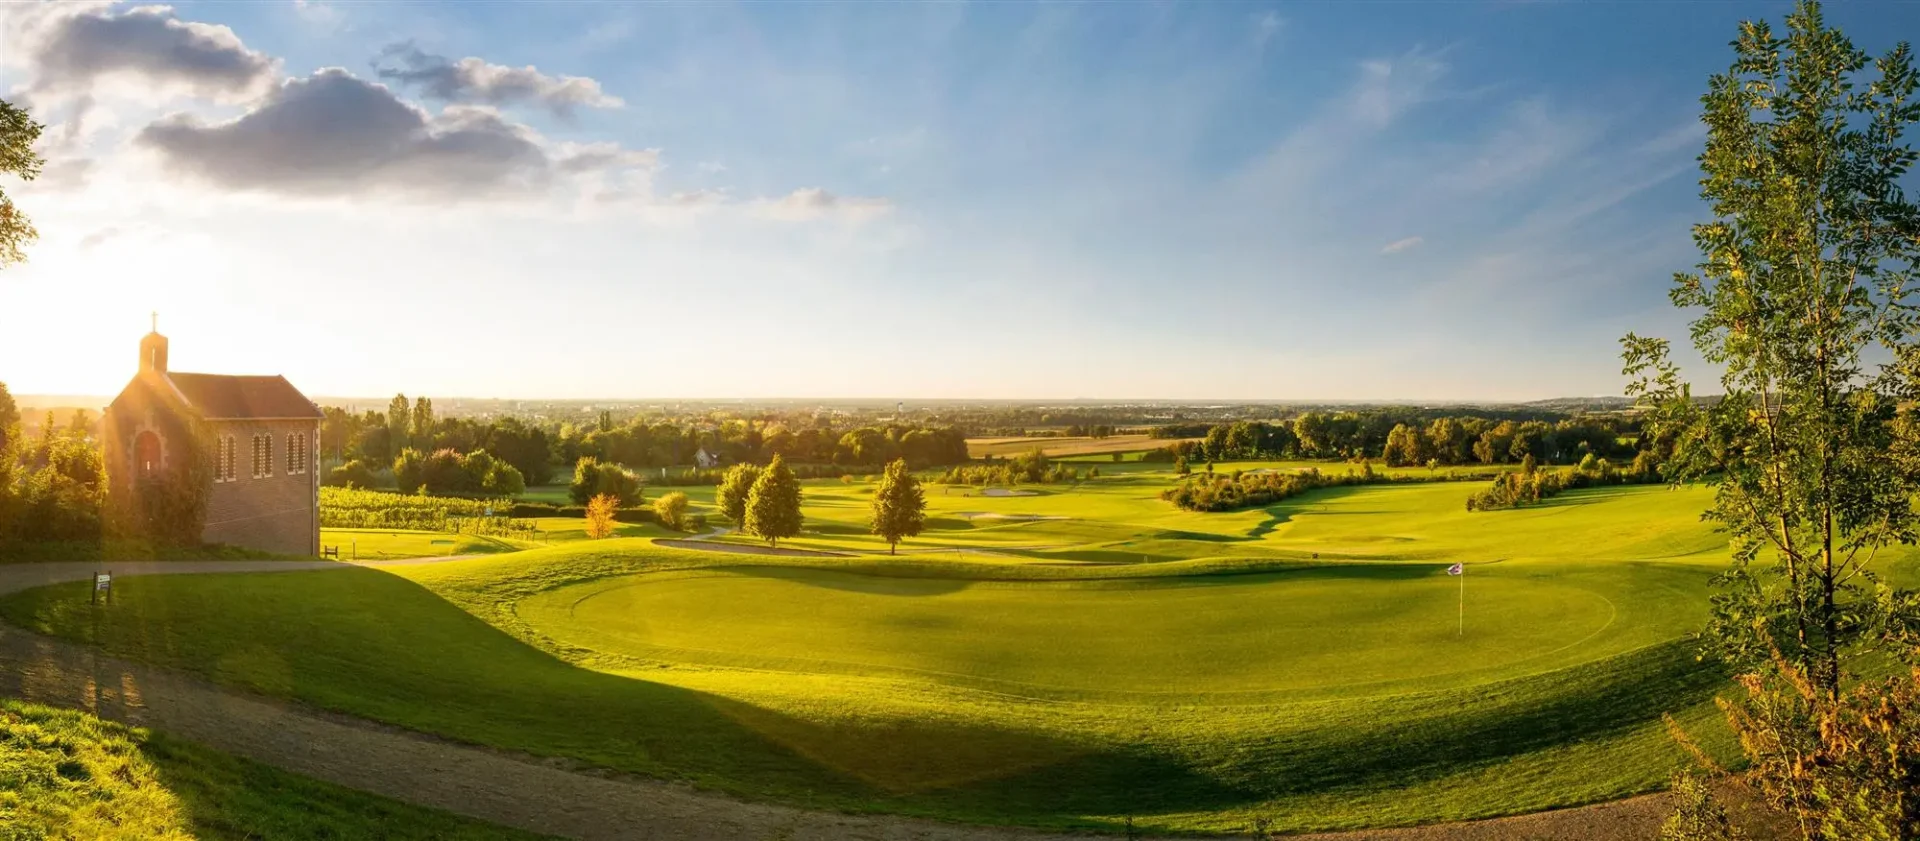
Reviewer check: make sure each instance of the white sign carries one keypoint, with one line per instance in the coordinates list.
(102, 580)
(489, 510)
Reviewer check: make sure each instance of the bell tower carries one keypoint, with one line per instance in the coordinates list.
(153, 349)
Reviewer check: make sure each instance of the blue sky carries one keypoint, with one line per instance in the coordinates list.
(1419, 201)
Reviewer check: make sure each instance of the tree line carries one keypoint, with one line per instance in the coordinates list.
(1400, 438)
(378, 439)
(1255, 489)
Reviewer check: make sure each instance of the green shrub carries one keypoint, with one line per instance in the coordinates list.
(353, 474)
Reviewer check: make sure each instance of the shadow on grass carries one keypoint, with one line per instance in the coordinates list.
(378, 646)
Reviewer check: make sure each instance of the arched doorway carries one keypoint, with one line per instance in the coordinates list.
(147, 453)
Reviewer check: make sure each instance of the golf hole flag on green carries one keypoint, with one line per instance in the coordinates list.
(1460, 569)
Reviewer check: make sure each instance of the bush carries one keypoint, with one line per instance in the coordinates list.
(600, 515)
(671, 510)
(353, 474)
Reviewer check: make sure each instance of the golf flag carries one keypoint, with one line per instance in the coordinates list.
(1460, 569)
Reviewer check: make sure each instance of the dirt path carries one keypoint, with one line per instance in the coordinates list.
(531, 793)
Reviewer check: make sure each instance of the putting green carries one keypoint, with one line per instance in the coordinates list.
(1290, 632)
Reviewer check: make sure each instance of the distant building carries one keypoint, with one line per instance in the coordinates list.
(261, 439)
(705, 459)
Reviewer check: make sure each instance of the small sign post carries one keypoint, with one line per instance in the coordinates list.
(103, 587)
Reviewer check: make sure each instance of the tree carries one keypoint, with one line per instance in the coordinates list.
(421, 426)
(600, 511)
(400, 424)
(734, 488)
(409, 471)
(1807, 271)
(671, 510)
(899, 505)
(592, 478)
(1403, 446)
(773, 506)
(18, 133)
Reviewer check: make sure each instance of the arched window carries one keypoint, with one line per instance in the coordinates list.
(296, 453)
(147, 454)
(226, 458)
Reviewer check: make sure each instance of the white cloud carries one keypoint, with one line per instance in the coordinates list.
(810, 203)
(1398, 246)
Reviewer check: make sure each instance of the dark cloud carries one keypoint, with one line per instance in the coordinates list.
(332, 134)
(70, 52)
(473, 80)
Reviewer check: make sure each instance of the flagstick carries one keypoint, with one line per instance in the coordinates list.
(1463, 600)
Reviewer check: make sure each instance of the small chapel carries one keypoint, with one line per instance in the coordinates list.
(258, 449)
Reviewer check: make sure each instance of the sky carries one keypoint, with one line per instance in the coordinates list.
(1333, 201)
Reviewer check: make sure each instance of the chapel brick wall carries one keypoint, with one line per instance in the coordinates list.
(278, 512)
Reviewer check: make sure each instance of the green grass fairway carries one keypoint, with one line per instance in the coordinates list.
(1069, 658)
(66, 774)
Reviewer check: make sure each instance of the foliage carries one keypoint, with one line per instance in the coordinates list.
(591, 479)
(1403, 436)
(1843, 768)
(18, 132)
(671, 510)
(1698, 815)
(1530, 485)
(353, 474)
(1032, 467)
(57, 492)
(1262, 488)
(409, 471)
(171, 507)
(1806, 274)
(600, 510)
(899, 505)
(400, 426)
(731, 498)
(448, 472)
(773, 506)
(355, 508)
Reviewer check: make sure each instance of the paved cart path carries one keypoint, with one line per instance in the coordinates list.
(531, 793)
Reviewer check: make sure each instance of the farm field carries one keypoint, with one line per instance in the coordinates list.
(1054, 655)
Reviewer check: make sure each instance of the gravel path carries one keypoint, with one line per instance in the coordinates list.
(530, 793)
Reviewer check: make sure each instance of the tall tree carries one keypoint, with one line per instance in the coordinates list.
(773, 506)
(1806, 273)
(399, 423)
(422, 423)
(9, 422)
(18, 133)
(734, 489)
(899, 505)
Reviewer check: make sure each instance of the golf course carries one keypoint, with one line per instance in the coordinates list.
(1070, 656)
